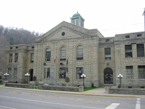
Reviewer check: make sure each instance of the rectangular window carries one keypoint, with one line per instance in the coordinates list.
(47, 72)
(15, 72)
(127, 36)
(16, 57)
(107, 40)
(139, 35)
(141, 72)
(140, 50)
(63, 54)
(128, 51)
(62, 72)
(10, 58)
(80, 52)
(129, 72)
(107, 53)
(77, 22)
(73, 21)
(79, 72)
(10, 72)
(48, 55)
(32, 57)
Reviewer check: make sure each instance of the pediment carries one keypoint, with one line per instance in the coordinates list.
(63, 33)
(66, 30)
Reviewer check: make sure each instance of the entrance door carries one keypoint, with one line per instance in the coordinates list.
(31, 74)
(108, 76)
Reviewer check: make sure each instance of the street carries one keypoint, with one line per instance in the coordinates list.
(22, 99)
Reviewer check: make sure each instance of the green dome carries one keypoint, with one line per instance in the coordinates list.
(76, 15)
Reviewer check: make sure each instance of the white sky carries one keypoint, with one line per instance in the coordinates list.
(110, 17)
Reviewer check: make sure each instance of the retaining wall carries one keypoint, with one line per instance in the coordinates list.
(125, 91)
(19, 85)
(62, 88)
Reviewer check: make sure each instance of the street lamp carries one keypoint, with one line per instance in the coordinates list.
(83, 76)
(27, 75)
(45, 64)
(6, 74)
(120, 76)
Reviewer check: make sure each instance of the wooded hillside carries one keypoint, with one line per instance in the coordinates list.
(12, 36)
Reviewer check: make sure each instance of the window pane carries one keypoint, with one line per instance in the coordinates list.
(32, 57)
(129, 72)
(16, 57)
(140, 50)
(79, 53)
(141, 72)
(9, 70)
(47, 72)
(10, 58)
(48, 54)
(62, 72)
(63, 53)
(15, 72)
(79, 72)
(107, 53)
(128, 51)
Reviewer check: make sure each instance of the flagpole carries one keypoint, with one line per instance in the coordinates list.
(67, 69)
(144, 18)
(55, 70)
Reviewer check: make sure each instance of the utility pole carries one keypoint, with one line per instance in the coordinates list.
(144, 18)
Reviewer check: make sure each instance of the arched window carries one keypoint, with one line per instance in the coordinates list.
(48, 54)
(80, 52)
(63, 53)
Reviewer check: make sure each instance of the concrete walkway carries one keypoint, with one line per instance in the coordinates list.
(94, 92)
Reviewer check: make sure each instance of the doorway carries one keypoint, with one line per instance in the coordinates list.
(108, 76)
(31, 74)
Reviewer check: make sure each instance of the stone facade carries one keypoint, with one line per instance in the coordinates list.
(101, 69)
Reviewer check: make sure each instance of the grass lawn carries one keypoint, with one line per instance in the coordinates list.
(1, 83)
(36, 86)
(89, 88)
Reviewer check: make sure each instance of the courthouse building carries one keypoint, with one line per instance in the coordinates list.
(100, 58)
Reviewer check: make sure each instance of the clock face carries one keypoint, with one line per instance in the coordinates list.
(63, 33)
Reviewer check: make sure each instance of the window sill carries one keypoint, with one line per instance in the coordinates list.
(128, 57)
(62, 59)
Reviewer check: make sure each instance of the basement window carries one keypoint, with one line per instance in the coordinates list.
(16, 47)
(11, 47)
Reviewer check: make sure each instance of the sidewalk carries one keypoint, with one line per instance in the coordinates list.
(94, 92)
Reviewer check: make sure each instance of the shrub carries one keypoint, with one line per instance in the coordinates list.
(92, 85)
(119, 86)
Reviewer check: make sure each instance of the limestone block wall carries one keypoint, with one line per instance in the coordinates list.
(103, 63)
(89, 62)
(21, 65)
(121, 61)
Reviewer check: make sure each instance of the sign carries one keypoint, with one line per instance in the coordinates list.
(34, 78)
(67, 79)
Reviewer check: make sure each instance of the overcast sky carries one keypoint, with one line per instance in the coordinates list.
(110, 17)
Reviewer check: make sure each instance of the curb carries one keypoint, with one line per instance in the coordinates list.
(75, 93)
